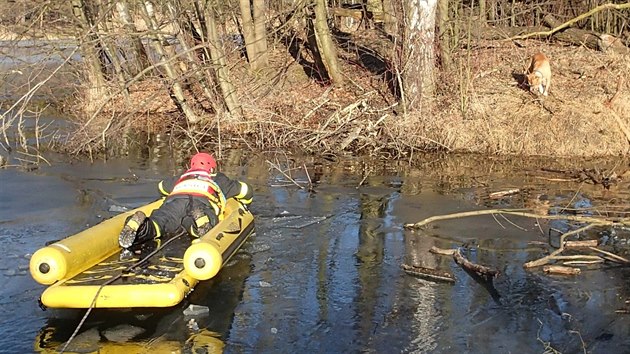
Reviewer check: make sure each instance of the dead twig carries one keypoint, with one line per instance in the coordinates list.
(285, 175)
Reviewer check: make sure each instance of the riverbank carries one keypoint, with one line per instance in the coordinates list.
(482, 106)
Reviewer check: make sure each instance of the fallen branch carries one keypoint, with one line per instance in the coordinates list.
(521, 212)
(501, 194)
(550, 257)
(431, 274)
(611, 255)
(442, 251)
(482, 271)
(610, 102)
(285, 175)
(562, 270)
(572, 21)
(580, 244)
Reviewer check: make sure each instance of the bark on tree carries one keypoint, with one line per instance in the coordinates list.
(157, 38)
(88, 41)
(326, 45)
(260, 32)
(254, 33)
(137, 56)
(389, 18)
(444, 34)
(195, 70)
(418, 60)
(217, 56)
(483, 16)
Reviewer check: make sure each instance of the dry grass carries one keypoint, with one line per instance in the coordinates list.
(504, 118)
(284, 107)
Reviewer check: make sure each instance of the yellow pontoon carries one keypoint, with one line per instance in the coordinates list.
(76, 268)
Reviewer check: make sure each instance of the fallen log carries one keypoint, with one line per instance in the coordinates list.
(428, 273)
(561, 270)
(580, 244)
(572, 35)
(442, 251)
(480, 270)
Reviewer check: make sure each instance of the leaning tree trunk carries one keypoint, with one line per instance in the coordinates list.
(146, 10)
(418, 59)
(88, 41)
(326, 45)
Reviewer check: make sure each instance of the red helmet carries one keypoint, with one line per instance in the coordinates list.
(203, 161)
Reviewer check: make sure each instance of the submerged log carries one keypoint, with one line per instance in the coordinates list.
(480, 270)
(428, 273)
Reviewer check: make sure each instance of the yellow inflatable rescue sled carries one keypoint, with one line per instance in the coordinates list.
(85, 270)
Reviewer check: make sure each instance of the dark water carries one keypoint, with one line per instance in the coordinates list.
(323, 271)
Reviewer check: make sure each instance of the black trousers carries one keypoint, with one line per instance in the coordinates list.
(174, 216)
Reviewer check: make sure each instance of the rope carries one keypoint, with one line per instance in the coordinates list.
(76, 331)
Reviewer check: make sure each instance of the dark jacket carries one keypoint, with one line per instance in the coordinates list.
(215, 188)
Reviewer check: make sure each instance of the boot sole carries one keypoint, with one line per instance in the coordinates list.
(128, 234)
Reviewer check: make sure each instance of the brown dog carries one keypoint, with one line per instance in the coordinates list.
(538, 75)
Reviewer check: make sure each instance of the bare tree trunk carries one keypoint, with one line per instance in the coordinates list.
(389, 18)
(218, 60)
(157, 38)
(444, 37)
(88, 42)
(483, 16)
(137, 55)
(418, 54)
(109, 47)
(260, 33)
(204, 81)
(326, 45)
(254, 39)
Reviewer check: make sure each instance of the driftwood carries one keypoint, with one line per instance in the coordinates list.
(481, 274)
(442, 251)
(428, 273)
(562, 270)
(581, 244)
(593, 176)
(501, 194)
(591, 222)
(484, 272)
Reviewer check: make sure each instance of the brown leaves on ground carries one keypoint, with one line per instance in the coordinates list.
(482, 105)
